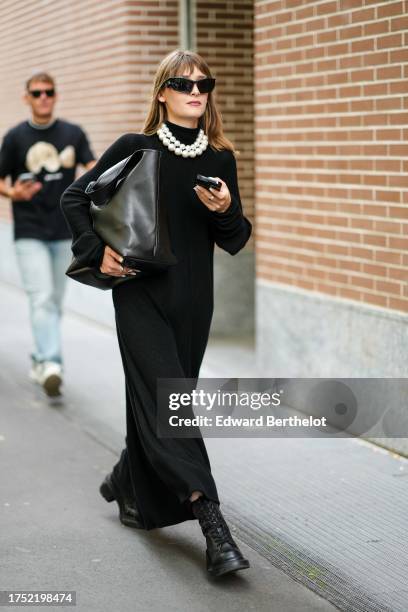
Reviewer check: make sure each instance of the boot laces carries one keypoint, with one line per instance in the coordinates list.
(214, 525)
(220, 534)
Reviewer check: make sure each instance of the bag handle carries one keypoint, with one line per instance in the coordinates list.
(105, 185)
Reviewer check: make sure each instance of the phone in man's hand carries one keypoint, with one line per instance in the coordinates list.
(207, 182)
(27, 177)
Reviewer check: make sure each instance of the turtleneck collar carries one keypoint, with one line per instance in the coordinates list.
(184, 134)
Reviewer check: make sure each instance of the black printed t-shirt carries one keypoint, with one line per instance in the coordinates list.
(52, 153)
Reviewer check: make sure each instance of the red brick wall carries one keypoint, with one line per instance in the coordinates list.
(331, 159)
(104, 53)
(225, 39)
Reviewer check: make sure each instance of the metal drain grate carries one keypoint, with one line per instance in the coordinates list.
(317, 574)
(331, 513)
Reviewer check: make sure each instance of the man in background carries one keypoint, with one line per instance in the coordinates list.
(41, 155)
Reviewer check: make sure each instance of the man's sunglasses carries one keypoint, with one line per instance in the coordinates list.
(36, 93)
(184, 85)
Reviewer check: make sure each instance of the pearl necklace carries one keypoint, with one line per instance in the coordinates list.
(199, 145)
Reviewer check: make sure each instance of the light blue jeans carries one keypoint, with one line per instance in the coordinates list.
(42, 266)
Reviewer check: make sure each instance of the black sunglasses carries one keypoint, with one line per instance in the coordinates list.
(36, 93)
(184, 85)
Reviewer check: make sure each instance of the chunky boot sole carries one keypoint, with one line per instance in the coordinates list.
(130, 522)
(233, 565)
(110, 493)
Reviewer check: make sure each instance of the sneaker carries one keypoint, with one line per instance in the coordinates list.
(35, 373)
(51, 378)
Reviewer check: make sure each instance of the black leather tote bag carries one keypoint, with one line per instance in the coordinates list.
(128, 216)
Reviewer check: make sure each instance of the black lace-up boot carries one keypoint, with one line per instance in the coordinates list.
(223, 555)
(128, 514)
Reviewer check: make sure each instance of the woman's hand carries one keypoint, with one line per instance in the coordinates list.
(112, 264)
(218, 201)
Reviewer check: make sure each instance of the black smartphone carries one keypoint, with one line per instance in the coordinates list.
(207, 181)
(26, 177)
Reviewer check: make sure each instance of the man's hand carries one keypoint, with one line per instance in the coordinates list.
(111, 264)
(90, 164)
(24, 190)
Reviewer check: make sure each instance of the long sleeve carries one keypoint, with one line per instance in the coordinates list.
(230, 229)
(75, 203)
(7, 156)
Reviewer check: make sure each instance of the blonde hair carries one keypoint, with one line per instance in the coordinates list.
(174, 64)
(42, 77)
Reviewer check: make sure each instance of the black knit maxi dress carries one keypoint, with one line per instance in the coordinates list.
(163, 321)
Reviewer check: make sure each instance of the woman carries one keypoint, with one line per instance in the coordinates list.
(163, 321)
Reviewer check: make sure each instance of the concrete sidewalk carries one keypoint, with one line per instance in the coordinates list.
(59, 534)
(328, 514)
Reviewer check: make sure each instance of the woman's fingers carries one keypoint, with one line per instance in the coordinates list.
(219, 193)
(130, 271)
(116, 256)
(112, 265)
(205, 197)
(115, 266)
(213, 199)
